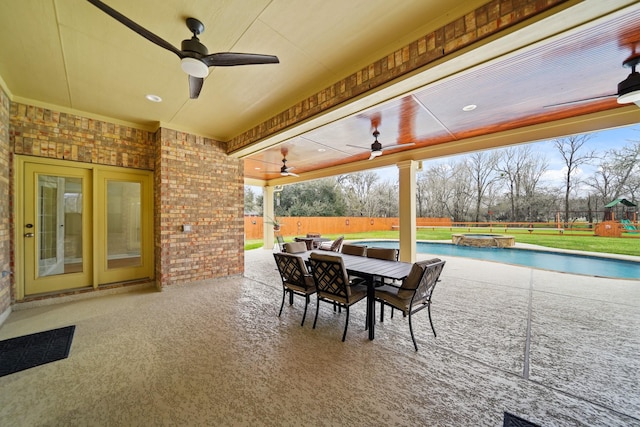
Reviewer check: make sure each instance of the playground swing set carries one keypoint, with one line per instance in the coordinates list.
(626, 215)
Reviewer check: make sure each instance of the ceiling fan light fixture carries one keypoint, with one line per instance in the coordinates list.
(194, 67)
(376, 153)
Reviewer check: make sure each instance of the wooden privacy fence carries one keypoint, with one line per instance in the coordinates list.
(300, 226)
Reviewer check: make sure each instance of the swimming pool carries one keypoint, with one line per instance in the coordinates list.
(547, 260)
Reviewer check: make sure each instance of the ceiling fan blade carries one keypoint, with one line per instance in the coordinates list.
(229, 59)
(136, 27)
(579, 101)
(362, 147)
(394, 146)
(375, 154)
(292, 174)
(195, 86)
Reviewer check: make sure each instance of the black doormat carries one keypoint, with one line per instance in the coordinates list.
(511, 420)
(20, 353)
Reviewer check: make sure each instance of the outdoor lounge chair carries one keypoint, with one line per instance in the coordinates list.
(414, 294)
(332, 246)
(296, 280)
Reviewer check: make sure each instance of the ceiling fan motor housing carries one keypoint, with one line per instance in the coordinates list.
(627, 86)
(193, 45)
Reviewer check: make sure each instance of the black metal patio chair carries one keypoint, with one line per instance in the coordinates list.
(414, 294)
(296, 280)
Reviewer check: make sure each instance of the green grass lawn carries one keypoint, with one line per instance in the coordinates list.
(579, 241)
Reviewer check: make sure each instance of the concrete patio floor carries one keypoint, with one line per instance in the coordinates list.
(576, 336)
(556, 349)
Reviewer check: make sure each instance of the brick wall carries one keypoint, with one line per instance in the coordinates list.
(197, 185)
(485, 21)
(5, 205)
(42, 132)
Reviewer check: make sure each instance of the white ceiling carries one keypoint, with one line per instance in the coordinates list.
(68, 53)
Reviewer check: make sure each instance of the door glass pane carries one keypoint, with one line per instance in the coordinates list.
(123, 224)
(59, 225)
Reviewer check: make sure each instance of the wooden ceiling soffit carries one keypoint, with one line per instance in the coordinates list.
(485, 21)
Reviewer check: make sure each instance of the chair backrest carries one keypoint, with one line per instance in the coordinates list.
(313, 235)
(329, 275)
(293, 270)
(422, 280)
(383, 253)
(335, 246)
(295, 247)
(354, 249)
(280, 241)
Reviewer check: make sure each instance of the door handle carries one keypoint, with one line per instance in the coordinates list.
(29, 234)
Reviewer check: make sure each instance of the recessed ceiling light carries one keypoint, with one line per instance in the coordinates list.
(469, 107)
(321, 150)
(257, 168)
(153, 98)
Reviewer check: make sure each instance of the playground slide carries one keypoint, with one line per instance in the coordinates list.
(628, 225)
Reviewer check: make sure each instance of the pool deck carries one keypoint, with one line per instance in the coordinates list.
(553, 348)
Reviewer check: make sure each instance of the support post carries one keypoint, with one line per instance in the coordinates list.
(407, 209)
(267, 215)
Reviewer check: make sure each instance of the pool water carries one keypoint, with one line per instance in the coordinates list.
(546, 260)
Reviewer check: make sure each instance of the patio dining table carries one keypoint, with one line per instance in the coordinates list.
(368, 269)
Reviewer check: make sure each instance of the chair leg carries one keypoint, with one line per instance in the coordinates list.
(411, 330)
(317, 310)
(290, 297)
(381, 312)
(346, 325)
(306, 304)
(432, 328)
(284, 294)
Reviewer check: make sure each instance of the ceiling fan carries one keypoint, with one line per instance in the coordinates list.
(194, 56)
(628, 89)
(284, 170)
(377, 148)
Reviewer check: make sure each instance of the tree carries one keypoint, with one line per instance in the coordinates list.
(461, 191)
(435, 190)
(482, 171)
(358, 189)
(520, 171)
(574, 156)
(385, 199)
(313, 198)
(250, 201)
